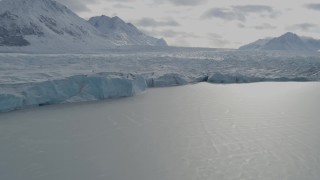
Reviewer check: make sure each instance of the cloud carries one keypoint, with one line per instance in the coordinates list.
(149, 22)
(225, 14)
(76, 5)
(81, 5)
(176, 38)
(313, 6)
(217, 40)
(182, 2)
(264, 26)
(181, 42)
(122, 6)
(253, 8)
(240, 13)
(171, 33)
(168, 33)
(120, 1)
(240, 25)
(304, 27)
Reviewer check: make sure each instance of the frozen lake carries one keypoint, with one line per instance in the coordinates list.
(195, 132)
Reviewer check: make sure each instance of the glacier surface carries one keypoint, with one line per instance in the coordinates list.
(42, 79)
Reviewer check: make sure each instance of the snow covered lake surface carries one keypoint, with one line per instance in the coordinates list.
(42, 79)
(204, 131)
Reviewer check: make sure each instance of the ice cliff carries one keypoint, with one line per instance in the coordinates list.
(72, 89)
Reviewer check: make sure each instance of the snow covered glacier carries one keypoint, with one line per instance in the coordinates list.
(41, 79)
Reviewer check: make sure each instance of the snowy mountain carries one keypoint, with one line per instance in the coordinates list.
(287, 42)
(45, 26)
(255, 45)
(312, 43)
(123, 33)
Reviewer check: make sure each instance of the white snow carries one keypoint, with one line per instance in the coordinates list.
(123, 33)
(49, 27)
(46, 26)
(40, 79)
(287, 42)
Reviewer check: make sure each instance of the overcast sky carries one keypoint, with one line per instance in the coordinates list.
(209, 23)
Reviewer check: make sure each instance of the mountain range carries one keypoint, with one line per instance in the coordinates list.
(123, 33)
(48, 26)
(286, 42)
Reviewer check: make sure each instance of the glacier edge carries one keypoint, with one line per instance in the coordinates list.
(84, 88)
(78, 88)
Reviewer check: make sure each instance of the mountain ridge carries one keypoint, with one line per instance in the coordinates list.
(286, 42)
(46, 26)
(123, 33)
